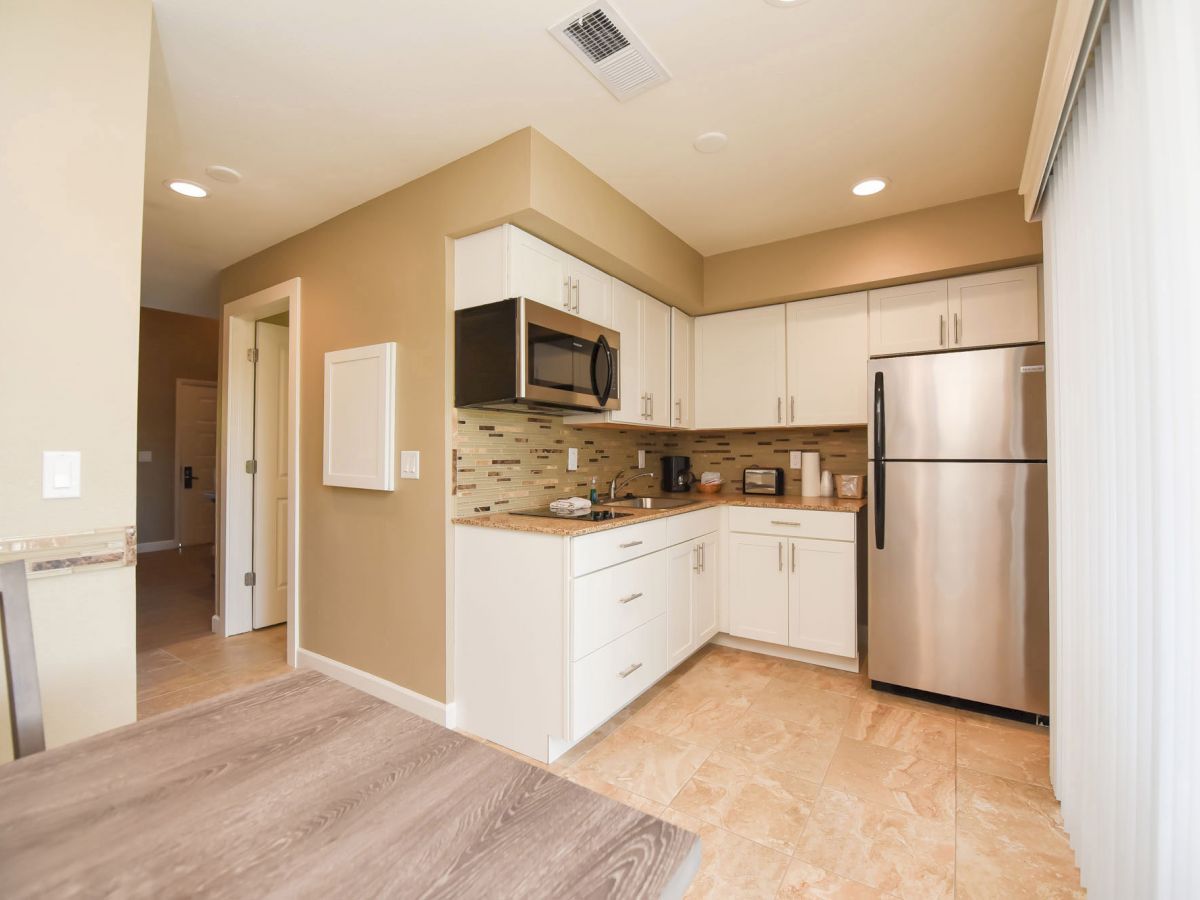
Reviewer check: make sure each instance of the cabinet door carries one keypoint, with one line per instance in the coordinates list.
(627, 319)
(741, 368)
(536, 270)
(827, 361)
(591, 292)
(704, 592)
(995, 308)
(656, 361)
(682, 560)
(822, 596)
(682, 368)
(758, 588)
(909, 318)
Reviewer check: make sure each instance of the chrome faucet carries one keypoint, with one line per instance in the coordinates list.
(617, 483)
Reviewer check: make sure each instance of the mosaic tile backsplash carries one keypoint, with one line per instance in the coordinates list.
(506, 460)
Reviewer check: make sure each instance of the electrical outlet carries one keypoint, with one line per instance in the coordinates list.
(641, 459)
(410, 463)
(794, 459)
(572, 459)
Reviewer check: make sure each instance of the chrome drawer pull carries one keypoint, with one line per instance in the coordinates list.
(792, 524)
(630, 544)
(625, 673)
(630, 598)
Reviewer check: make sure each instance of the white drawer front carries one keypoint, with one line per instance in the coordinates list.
(614, 601)
(612, 676)
(607, 548)
(801, 523)
(689, 526)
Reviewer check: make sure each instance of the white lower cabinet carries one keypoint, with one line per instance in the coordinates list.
(822, 596)
(609, 678)
(758, 588)
(691, 597)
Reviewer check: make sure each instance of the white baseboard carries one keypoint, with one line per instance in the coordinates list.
(846, 664)
(411, 701)
(155, 546)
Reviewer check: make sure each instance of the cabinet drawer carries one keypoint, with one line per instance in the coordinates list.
(801, 523)
(607, 548)
(606, 680)
(614, 601)
(689, 526)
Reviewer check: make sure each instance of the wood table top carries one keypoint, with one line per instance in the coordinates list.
(302, 786)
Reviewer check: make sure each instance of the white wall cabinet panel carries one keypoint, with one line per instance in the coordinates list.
(627, 319)
(656, 361)
(822, 596)
(683, 367)
(827, 354)
(360, 417)
(758, 579)
(591, 292)
(741, 368)
(681, 565)
(705, 591)
(995, 308)
(909, 318)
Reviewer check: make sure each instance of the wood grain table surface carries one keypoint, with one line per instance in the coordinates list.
(304, 787)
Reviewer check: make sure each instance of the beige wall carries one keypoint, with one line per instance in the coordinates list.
(73, 83)
(969, 236)
(171, 345)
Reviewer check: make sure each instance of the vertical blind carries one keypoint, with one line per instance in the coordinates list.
(1122, 247)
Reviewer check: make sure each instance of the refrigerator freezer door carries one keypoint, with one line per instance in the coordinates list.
(975, 404)
(958, 596)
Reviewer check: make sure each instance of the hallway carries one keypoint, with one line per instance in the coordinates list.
(179, 660)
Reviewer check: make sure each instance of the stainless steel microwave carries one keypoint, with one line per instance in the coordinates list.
(522, 355)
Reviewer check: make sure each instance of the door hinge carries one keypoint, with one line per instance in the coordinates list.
(250, 580)
(252, 355)
(252, 467)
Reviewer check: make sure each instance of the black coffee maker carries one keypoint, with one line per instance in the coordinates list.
(677, 473)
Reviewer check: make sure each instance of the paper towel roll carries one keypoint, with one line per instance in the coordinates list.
(810, 473)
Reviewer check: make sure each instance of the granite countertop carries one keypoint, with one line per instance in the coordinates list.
(570, 527)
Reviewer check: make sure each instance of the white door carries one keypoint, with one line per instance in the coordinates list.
(196, 457)
(627, 319)
(656, 361)
(592, 292)
(822, 596)
(682, 561)
(682, 368)
(758, 587)
(271, 478)
(741, 368)
(995, 308)
(704, 592)
(537, 270)
(827, 361)
(909, 318)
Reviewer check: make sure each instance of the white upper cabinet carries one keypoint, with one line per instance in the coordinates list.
(537, 271)
(627, 319)
(591, 292)
(910, 318)
(741, 368)
(682, 369)
(656, 361)
(827, 361)
(995, 308)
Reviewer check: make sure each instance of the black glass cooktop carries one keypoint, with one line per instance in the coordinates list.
(583, 515)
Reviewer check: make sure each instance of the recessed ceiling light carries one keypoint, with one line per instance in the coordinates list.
(223, 173)
(187, 188)
(711, 141)
(869, 186)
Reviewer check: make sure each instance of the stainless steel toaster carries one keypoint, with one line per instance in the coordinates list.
(762, 481)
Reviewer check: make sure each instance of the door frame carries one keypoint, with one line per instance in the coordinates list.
(235, 441)
(177, 480)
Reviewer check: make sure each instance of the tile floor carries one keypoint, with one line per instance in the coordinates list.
(805, 782)
(180, 660)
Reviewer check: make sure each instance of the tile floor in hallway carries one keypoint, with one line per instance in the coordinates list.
(179, 659)
(805, 782)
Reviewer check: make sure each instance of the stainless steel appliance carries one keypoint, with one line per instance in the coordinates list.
(957, 532)
(521, 355)
(677, 473)
(762, 481)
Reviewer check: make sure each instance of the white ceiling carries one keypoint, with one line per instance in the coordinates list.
(323, 105)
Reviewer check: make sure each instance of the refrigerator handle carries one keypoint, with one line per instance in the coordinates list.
(880, 462)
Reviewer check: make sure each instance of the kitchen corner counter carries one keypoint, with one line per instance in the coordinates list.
(569, 528)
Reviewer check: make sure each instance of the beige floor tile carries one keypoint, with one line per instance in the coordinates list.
(765, 805)
(592, 783)
(730, 660)
(900, 700)
(999, 747)
(894, 851)
(893, 778)
(820, 677)
(643, 762)
(801, 748)
(805, 881)
(731, 867)
(801, 703)
(921, 733)
(722, 681)
(692, 714)
(1010, 841)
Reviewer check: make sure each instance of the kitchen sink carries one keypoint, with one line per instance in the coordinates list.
(651, 502)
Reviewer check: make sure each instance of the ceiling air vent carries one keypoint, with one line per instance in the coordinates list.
(608, 48)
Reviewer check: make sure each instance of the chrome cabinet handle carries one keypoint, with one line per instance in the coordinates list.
(567, 298)
(643, 412)
(779, 409)
(793, 546)
(792, 524)
(679, 410)
(650, 414)
(630, 598)
(957, 330)
(703, 558)
(630, 544)
(625, 673)
(696, 557)
(576, 296)
(781, 556)
(941, 331)
(792, 408)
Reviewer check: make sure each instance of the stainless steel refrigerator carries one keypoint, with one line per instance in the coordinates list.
(957, 532)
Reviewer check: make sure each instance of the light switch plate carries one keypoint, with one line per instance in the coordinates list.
(572, 459)
(641, 459)
(60, 474)
(794, 459)
(145, 456)
(410, 463)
